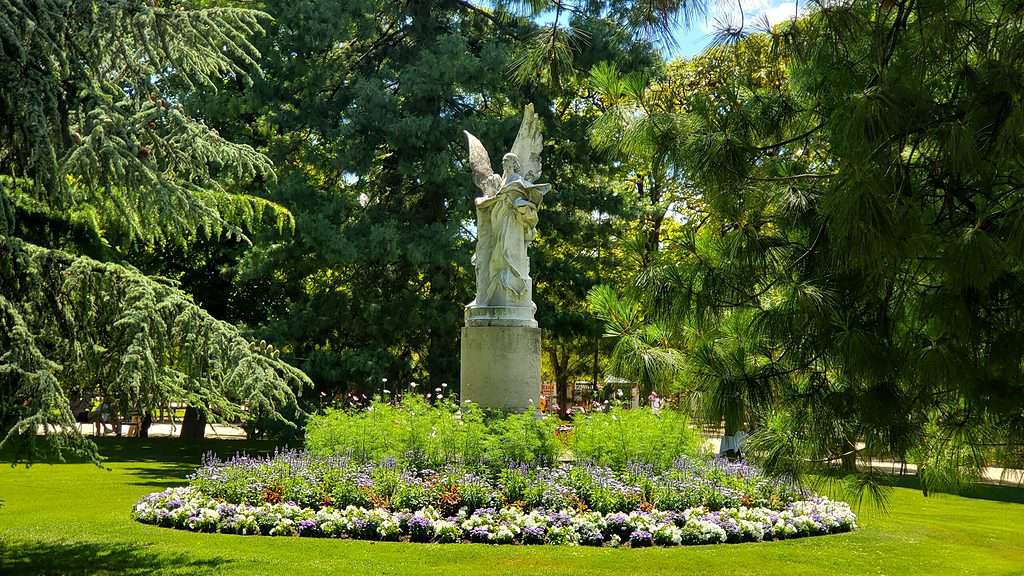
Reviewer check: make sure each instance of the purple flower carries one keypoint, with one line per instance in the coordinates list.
(307, 527)
(533, 535)
(640, 469)
(420, 522)
(617, 519)
(480, 534)
(618, 524)
(641, 539)
(421, 529)
(559, 519)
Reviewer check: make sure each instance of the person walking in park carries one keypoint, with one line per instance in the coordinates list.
(104, 419)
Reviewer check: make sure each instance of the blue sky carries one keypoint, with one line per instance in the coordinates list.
(691, 41)
(695, 38)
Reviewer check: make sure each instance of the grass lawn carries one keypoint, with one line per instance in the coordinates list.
(74, 519)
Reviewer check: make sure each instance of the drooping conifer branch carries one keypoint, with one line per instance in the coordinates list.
(75, 325)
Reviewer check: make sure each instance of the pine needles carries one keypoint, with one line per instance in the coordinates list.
(107, 331)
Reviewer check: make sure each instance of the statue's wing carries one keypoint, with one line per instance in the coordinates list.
(528, 144)
(480, 162)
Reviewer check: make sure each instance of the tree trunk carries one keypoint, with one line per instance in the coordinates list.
(193, 427)
(653, 219)
(562, 385)
(560, 367)
(849, 457)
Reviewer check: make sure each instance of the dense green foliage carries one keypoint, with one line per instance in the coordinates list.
(811, 232)
(368, 145)
(124, 337)
(99, 155)
(419, 434)
(620, 438)
(846, 275)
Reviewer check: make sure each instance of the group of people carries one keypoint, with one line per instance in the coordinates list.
(654, 402)
(99, 414)
(105, 419)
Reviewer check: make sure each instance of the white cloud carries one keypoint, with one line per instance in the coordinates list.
(727, 11)
(780, 12)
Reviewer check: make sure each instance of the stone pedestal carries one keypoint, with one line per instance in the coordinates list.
(501, 366)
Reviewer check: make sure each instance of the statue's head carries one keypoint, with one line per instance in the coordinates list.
(510, 163)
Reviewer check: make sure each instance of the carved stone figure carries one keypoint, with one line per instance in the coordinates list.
(501, 342)
(506, 224)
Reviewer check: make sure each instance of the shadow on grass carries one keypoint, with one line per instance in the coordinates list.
(175, 450)
(169, 461)
(161, 475)
(996, 492)
(74, 558)
(171, 450)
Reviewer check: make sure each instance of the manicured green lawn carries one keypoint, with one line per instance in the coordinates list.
(74, 519)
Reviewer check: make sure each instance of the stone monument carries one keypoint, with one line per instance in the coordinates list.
(500, 364)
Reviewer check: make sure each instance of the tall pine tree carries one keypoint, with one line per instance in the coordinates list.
(849, 280)
(98, 154)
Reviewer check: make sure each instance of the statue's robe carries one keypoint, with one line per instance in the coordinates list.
(511, 220)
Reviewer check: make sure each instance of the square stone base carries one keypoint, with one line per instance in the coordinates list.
(501, 366)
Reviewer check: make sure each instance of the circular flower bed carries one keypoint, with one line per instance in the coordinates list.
(293, 493)
(186, 509)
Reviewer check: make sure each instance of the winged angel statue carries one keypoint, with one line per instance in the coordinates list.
(506, 224)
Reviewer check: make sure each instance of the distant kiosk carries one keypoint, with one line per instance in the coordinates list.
(614, 385)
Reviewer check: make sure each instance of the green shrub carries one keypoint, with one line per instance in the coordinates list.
(475, 494)
(411, 431)
(410, 496)
(365, 435)
(423, 436)
(348, 493)
(513, 484)
(458, 435)
(619, 438)
(537, 495)
(527, 438)
(386, 481)
(600, 490)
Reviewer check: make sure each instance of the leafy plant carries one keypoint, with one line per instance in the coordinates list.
(410, 430)
(527, 438)
(620, 438)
